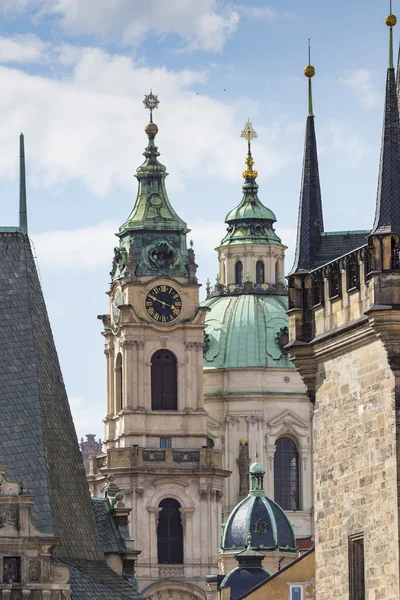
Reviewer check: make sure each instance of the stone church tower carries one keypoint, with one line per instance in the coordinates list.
(255, 399)
(345, 341)
(156, 440)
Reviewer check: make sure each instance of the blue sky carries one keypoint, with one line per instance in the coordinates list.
(73, 75)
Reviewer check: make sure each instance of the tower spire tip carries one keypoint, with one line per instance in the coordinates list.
(249, 133)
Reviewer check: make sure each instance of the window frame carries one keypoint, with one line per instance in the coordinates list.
(357, 590)
(296, 585)
(281, 482)
(168, 442)
(160, 399)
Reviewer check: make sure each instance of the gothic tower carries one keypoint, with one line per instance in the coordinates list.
(156, 440)
(345, 341)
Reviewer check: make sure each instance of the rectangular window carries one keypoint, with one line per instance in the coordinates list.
(11, 569)
(165, 442)
(296, 592)
(356, 567)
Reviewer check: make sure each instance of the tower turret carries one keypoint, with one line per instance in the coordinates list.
(153, 238)
(250, 250)
(310, 221)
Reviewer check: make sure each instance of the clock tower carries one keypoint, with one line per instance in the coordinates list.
(155, 429)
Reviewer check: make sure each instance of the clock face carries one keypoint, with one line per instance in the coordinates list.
(117, 301)
(163, 304)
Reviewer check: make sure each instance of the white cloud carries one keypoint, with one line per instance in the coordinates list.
(84, 249)
(360, 81)
(204, 25)
(22, 49)
(88, 124)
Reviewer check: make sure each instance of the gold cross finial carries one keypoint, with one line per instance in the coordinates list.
(249, 133)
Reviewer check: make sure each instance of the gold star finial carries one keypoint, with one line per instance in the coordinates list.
(249, 133)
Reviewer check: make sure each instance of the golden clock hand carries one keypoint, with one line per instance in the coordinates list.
(160, 301)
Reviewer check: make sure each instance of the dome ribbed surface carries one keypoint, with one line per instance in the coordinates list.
(263, 522)
(242, 331)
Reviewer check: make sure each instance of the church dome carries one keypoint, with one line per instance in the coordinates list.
(257, 522)
(256, 468)
(246, 330)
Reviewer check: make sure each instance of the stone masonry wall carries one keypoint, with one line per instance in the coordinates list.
(355, 473)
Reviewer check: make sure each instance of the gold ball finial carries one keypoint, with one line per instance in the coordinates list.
(391, 20)
(151, 129)
(309, 71)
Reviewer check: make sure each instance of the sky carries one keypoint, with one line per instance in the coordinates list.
(73, 76)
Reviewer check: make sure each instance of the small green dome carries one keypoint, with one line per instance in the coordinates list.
(243, 331)
(257, 468)
(252, 209)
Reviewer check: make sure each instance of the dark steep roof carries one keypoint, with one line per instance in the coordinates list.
(310, 221)
(337, 243)
(109, 534)
(97, 581)
(38, 442)
(387, 216)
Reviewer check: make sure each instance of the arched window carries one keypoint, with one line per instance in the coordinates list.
(260, 274)
(164, 381)
(277, 277)
(170, 533)
(286, 474)
(239, 272)
(118, 384)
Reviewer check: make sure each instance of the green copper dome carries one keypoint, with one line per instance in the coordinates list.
(256, 468)
(245, 331)
(250, 206)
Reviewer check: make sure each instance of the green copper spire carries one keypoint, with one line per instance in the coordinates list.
(23, 220)
(250, 221)
(152, 208)
(153, 238)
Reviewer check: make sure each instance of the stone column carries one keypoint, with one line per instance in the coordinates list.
(154, 515)
(46, 594)
(199, 371)
(188, 540)
(109, 352)
(143, 374)
(189, 383)
(6, 594)
(127, 373)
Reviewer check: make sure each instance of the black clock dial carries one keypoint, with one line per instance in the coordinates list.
(163, 303)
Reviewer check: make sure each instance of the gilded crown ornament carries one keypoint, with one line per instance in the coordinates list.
(249, 133)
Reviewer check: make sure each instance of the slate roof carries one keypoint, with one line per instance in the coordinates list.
(242, 580)
(387, 217)
(91, 580)
(109, 534)
(38, 442)
(337, 243)
(241, 527)
(310, 221)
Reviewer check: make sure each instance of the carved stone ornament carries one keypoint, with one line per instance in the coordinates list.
(243, 463)
(34, 570)
(260, 527)
(282, 338)
(8, 517)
